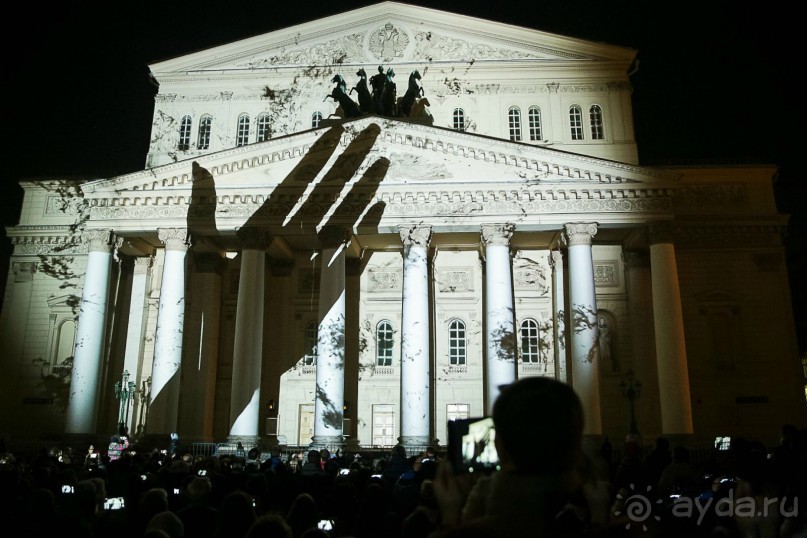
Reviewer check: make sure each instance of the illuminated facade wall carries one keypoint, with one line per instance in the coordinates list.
(450, 252)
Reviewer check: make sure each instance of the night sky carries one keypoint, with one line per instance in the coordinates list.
(716, 83)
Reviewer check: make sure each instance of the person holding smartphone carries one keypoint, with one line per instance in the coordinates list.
(539, 458)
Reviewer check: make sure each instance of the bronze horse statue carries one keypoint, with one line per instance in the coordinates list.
(366, 104)
(389, 95)
(339, 94)
(413, 91)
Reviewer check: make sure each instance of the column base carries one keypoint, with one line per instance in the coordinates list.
(414, 443)
(331, 442)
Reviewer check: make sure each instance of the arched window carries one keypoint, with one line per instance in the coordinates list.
(576, 122)
(514, 121)
(530, 350)
(316, 119)
(534, 120)
(310, 344)
(263, 128)
(459, 119)
(242, 135)
(595, 118)
(456, 343)
(203, 142)
(383, 343)
(184, 134)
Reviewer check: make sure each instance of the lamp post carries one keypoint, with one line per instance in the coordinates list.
(631, 388)
(124, 391)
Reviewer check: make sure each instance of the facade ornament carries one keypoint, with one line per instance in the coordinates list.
(415, 235)
(253, 238)
(579, 233)
(24, 271)
(174, 238)
(497, 234)
(660, 232)
(388, 42)
(332, 236)
(100, 240)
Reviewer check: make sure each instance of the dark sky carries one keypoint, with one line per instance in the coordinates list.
(716, 83)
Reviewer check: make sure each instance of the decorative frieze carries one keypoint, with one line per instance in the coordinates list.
(606, 274)
(734, 196)
(384, 280)
(453, 281)
(532, 278)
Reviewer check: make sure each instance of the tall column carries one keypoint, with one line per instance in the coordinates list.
(330, 391)
(415, 363)
(82, 410)
(638, 288)
(585, 352)
(671, 355)
(559, 307)
(14, 318)
(164, 404)
(499, 321)
(202, 328)
(135, 333)
(245, 398)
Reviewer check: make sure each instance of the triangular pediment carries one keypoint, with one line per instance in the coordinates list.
(389, 33)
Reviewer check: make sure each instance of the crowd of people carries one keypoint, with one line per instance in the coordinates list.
(549, 483)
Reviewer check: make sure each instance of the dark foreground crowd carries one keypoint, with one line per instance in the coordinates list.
(552, 488)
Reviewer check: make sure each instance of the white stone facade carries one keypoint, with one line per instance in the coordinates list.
(428, 263)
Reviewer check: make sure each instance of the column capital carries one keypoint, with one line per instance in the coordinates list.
(660, 232)
(332, 236)
(553, 87)
(174, 238)
(579, 233)
(100, 240)
(253, 238)
(415, 234)
(142, 264)
(208, 262)
(24, 271)
(555, 259)
(497, 234)
(636, 259)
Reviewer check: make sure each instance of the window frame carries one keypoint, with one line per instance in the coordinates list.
(576, 123)
(534, 123)
(514, 124)
(596, 123)
(384, 333)
(458, 120)
(242, 131)
(310, 335)
(203, 134)
(530, 343)
(316, 119)
(262, 125)
(185, 125)
(457, 343)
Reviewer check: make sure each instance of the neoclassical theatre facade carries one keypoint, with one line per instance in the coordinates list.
(304, 260)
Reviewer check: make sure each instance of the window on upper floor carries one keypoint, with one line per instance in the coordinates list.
(459, 119)
(184, 134)
(595, 119)
(263, 128)
(242, 134)
(534, 121)
(203, 141)
(316, 119)
(576, 122)
(310, 344)
(514, 122)
(456, 343)
(384, 342)
(530, 348)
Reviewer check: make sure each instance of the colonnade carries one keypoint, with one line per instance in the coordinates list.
(575, 312)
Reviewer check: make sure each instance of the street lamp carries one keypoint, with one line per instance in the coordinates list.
(631, 388)
(124, 391)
